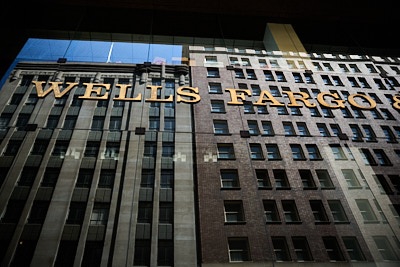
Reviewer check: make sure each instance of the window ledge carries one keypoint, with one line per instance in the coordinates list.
(223, 134)
(322, 222)
(283, 188)
(296, 222)
(321, 159)
(310, 188)
(230, 188)
(235, 223)
(273, 222)
(344, 222)
(264, 188)
(371, 222)
(354, 187)
(328, 188)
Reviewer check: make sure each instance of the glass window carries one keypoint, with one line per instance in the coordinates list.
(353, 248)
(273, 152)
(221, 127)
(263, 179)
(97, 123)
(271, 211)
(253, 127)
(302, 128)
(12, 148)
(85, 177)
(333, 249)
(92, 149)
(281, 180)
(288, 128)
(217, 106)
(337, 211)
(281, 249)
(107, 178)
(290, 211)
(225, 151)
(212, 73)
(385, 248)
(76, 213)
(338, 153)
(318, 211)
(350, 178)
(52, 122)
(322, 129)
(301, 248)
(238, 249)
(324, 179)
(256, 151)
(233, 211)
(229, 179)
(313, 152)
(307, 179)
(267, 128)
(215, 88)
(366, 210)
(297, 152)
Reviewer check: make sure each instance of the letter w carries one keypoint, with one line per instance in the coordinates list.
(54, 87)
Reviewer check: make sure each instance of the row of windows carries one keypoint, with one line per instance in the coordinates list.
(299, 64)
(226, 152)
(387, 83)
(238, 248)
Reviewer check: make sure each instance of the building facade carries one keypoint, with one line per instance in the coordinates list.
(248, 153)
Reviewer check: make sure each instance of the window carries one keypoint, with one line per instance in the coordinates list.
(281, 180)
(354, 68)
(375, 114)
(338, 214)
(333, 249)
(313, 152)
(166, 213)
(385, 249)
(367, 157)
(251, 74)
(322, 129)
(290, 211)
(212, 73)
(102, 103)
(165, 253)
(238, 249)
(268, 75)
(338, 153)
(16, 99)
(52, 122)
(282, 110)
(142, 252)
(271, 211)
(13, 211)
(390, 137)
(255, 89)
(92, 149)
(99, 214)
(297, 78)
(27, 177)
(280, 76)
(327, 112)
(366, 210)
(69, 122)
(221, 127)
(38, 212)
(253, 127)
(106, 178)
(234, 211)
(225, 151)
(274, 91)
(364, 83)
(115, 123)
(154, 124)
(295, 111)
(97, 123)
(147, 179)
(358, 113)
(301, 248)
(309, 78)
(239, 74)
(145, 212)
(256, 151)
(307, 179)
(248, 107)
(112, 150)
(288, 128)
(76, 213)
(369, 133)
(353, 248)
(386, 113)
(267, 128)
(297, 152)
(12, 148)
(215, 88)
(4, 121)
(371, 68)
(39, 148)
(337, 81)
(263, 179)
(60, 148)
(326, 80)
(281, 249)
(85, 177)
(382, 158)
(318, 211)
(211, 59)
(336, 129)
(273, 152)
(353, 82)
(302, 128)
(217, 106)
(350, 178)
(324, 179)
(66, 253)
(229, 179)
(167, 179)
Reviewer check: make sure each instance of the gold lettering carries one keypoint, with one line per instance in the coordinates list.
(337, 100)
(53, 87)
(396, 100)
(351, 100)
(153, 95)
(122, 93)
(194, 95)
(270, 98)
(235, 96)
(90, 89)
(303, 98)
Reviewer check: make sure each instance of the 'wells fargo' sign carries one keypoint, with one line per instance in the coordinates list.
(191, 95)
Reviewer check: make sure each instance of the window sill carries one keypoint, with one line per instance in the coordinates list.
(300, 159)
(371, 222)
(223, 134)
(283, 188)
(259, 159)
(273, 222)
(264, 188)
(227, 159)
(296, 222)
(344, 222)
(321, 159)
(323, 222)
(328, 188)
(310, 188)
(354, 187)
(234, 223)
(230, 188)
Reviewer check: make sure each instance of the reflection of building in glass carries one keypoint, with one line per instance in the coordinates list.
(283, 161)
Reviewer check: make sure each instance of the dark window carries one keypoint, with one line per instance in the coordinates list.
(271, 211)
(166, 212)
(85, 177)
(167, 179)
(307, 179)
(52, 122)
(225, 151)
(22, 121)
(212, 73)
(99, 214)
(142, 253)
(263, 179)
(297, 152)
(165, 253)
(169, 124)
(145, 212)
(333, 249)
(38, 212)
(16, 99)
(60, 148)
(92, 149)
(39, 148)
(13, 211)
(256, 151)
(238, 249)
(281, 249)
(301, 248)
(147, 179)
(290, 211)
(281, 179)
(273, 152)
(76, 213)
(97, 123)
(24, 253)
(4, 121)
(337, 211)
(12, 148)
(107, 178)
(66, 253)
(229, 179)
(324, 179)
(92, 254)
(69, 122)
(115, 123)
(27, 176)
(50, 177)
(353, 248)
(318, 211)
(313, 152)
